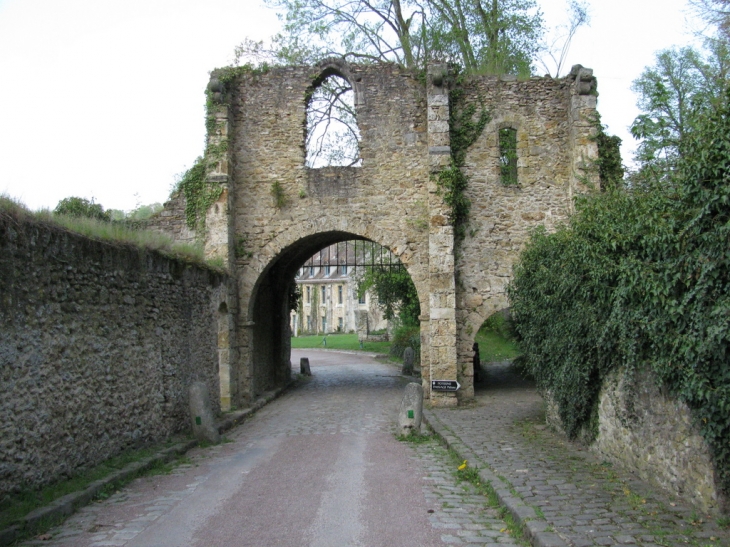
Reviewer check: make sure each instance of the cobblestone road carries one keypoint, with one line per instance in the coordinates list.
(319, 466)
(586, 501)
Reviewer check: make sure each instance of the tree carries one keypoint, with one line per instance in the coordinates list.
(332, 136)
(487, 36)
(395, 292)
(82, 208)
(681, 81)
(716, 13)
(557, 49)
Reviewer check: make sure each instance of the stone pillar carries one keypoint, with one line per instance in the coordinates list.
(582, 144)
(224, 356)
(217, 220)
(442, 286)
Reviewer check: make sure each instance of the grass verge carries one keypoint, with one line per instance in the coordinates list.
(14, 507)
(338, 341)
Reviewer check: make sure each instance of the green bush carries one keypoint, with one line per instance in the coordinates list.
(406, 335)
(638, 279)
(82, 208)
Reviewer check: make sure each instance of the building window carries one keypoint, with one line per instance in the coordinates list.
(361, 299)
(324, 324)
(343, 269)
(508, 156)
(309, 323)
(311, 271)
(339, 324)
(309, 295)
(327, 270)
(324, 294)
(339, 294)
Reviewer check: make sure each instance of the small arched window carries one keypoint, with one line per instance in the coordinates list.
(332, 135)
(508, 156)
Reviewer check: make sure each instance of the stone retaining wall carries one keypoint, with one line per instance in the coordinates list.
(98, 344)
(648, 432)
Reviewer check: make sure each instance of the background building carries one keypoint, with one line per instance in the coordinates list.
(328, 284)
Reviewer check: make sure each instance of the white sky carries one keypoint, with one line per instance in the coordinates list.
(104, 99)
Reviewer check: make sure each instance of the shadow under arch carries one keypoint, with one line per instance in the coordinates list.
(268, 309)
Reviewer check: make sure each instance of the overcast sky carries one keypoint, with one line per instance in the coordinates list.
(104, 99)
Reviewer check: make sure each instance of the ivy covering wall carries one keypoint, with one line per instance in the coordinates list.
(639, 278)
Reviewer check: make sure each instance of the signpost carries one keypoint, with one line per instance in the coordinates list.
(445, 385)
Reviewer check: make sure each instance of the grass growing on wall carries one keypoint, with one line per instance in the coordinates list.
(110, 232)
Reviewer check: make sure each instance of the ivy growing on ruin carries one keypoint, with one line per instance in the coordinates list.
(466, 123)
(200, 193)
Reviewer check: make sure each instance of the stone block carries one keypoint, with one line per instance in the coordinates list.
(408, 358)
(304, 368)
(201, 414)
(411, 409)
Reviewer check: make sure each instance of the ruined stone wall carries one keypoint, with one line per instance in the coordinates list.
(98, 345)
(172, 220)
(384, 200)
(548, 119)
(645, 430)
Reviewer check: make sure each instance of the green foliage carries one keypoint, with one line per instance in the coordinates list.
(278, 195)
(637, 280)
(680, 81)
(112, 232)
(485, 37)
(240, 250)
(348, 342)
(394, 290)
(199, 193)
(404, 336)
(610, 167)
(508, 156)
(496, 339)
(82, 208)
(465, 126)
(494, 36)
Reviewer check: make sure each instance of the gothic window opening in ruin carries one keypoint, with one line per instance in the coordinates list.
(508, 156)
(332, 134)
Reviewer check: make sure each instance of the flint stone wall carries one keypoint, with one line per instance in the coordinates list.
(98, 345)
(645, 430)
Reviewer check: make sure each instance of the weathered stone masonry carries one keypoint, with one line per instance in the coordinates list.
(391, 199)
(98, 345)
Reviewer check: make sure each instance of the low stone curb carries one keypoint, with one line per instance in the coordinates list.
(534, 528)
(70, 503)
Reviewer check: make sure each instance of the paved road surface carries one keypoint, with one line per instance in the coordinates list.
(318, 467)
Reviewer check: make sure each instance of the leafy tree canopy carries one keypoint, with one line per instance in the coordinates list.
(395, 291)
(484, 36)
(679, 83)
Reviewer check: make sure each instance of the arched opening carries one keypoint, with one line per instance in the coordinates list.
(332, 136)
(494, 345)
(323, 262)
(508, 156)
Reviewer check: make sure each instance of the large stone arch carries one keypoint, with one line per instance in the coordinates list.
(392, 198)
(264, 287)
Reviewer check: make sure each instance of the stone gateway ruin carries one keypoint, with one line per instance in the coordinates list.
(272, 212)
